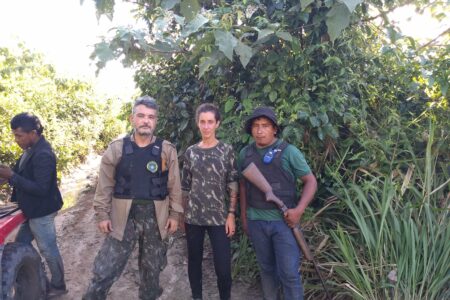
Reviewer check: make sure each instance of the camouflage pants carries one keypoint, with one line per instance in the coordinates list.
(111, 260)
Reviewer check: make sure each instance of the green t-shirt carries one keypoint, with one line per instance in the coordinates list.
(292, 161)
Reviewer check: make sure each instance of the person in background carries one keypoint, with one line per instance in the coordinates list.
(35, 189)
(137, 200)
(282, 164)
(210, 188)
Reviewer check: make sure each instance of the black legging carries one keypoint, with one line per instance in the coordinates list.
(220, 243)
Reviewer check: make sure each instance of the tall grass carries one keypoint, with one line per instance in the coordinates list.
(244, 260)
(394, 242)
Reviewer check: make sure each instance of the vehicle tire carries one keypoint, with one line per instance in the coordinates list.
(23, 276)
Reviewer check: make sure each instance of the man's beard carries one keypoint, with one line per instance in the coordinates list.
(146, 132)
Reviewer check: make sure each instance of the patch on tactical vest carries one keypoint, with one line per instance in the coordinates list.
(152, 166)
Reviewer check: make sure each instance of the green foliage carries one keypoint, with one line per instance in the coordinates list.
(349, 90)
(394, 240)
(74, 120)
(273, 53)
(241, 28)
(113, 125)
(244, 259)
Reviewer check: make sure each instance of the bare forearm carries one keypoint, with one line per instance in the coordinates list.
(233, 202)
(308, 192)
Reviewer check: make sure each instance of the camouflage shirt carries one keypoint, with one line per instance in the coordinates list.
(208, 177)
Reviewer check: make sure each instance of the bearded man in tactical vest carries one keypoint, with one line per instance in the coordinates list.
(282, 164)
(138, 199)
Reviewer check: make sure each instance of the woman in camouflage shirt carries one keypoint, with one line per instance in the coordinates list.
(209, 185)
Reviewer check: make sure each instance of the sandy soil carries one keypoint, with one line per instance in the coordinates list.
(79, 241)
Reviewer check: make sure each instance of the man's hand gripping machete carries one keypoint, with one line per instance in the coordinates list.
(254, 175)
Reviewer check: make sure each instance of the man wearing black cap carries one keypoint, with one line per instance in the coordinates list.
(269, 230)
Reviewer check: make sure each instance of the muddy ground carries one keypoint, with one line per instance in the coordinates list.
(79, 241)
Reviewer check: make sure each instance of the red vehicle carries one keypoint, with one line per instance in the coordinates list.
(22, 275)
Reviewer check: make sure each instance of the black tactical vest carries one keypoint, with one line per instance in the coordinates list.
(139, 173)
(282, 183)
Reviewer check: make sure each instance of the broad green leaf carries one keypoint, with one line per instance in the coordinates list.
(315, 122)
(412, 42)
(284, 35)
(304, 16)
(160, 26)
(444, 88)
(169, 4)
(273, 26)
(142, 45)
(330, 130)
(189, 9)
(304, 3)
(351, 4)
(226, 43)
(332, 60)
(296, 45)
(245, 138)
(207, 63)
(123, 34)
(179, 19)
(324, 118)
(162, 46)
(254, 95)
(181, 105)
(273, 96)
(294, 92)
(183, 125)
(320, 133)
(185, 113)
(103, 52)
(229, 104)
(337, 20)
(294, 9)
(247, 103)
(194, 25)
(393, 34)
(440, 16)
(244, 52)
(302, 115)
(264, 33)
(105, 7)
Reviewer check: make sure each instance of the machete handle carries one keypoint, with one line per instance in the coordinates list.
(302, 243)
(297, 233)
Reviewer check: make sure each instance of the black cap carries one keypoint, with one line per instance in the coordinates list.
(259, 112)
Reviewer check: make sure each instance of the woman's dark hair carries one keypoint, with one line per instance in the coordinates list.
(27, 122)
(207, 107)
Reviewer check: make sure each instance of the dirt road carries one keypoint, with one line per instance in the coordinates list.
(79, 241)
